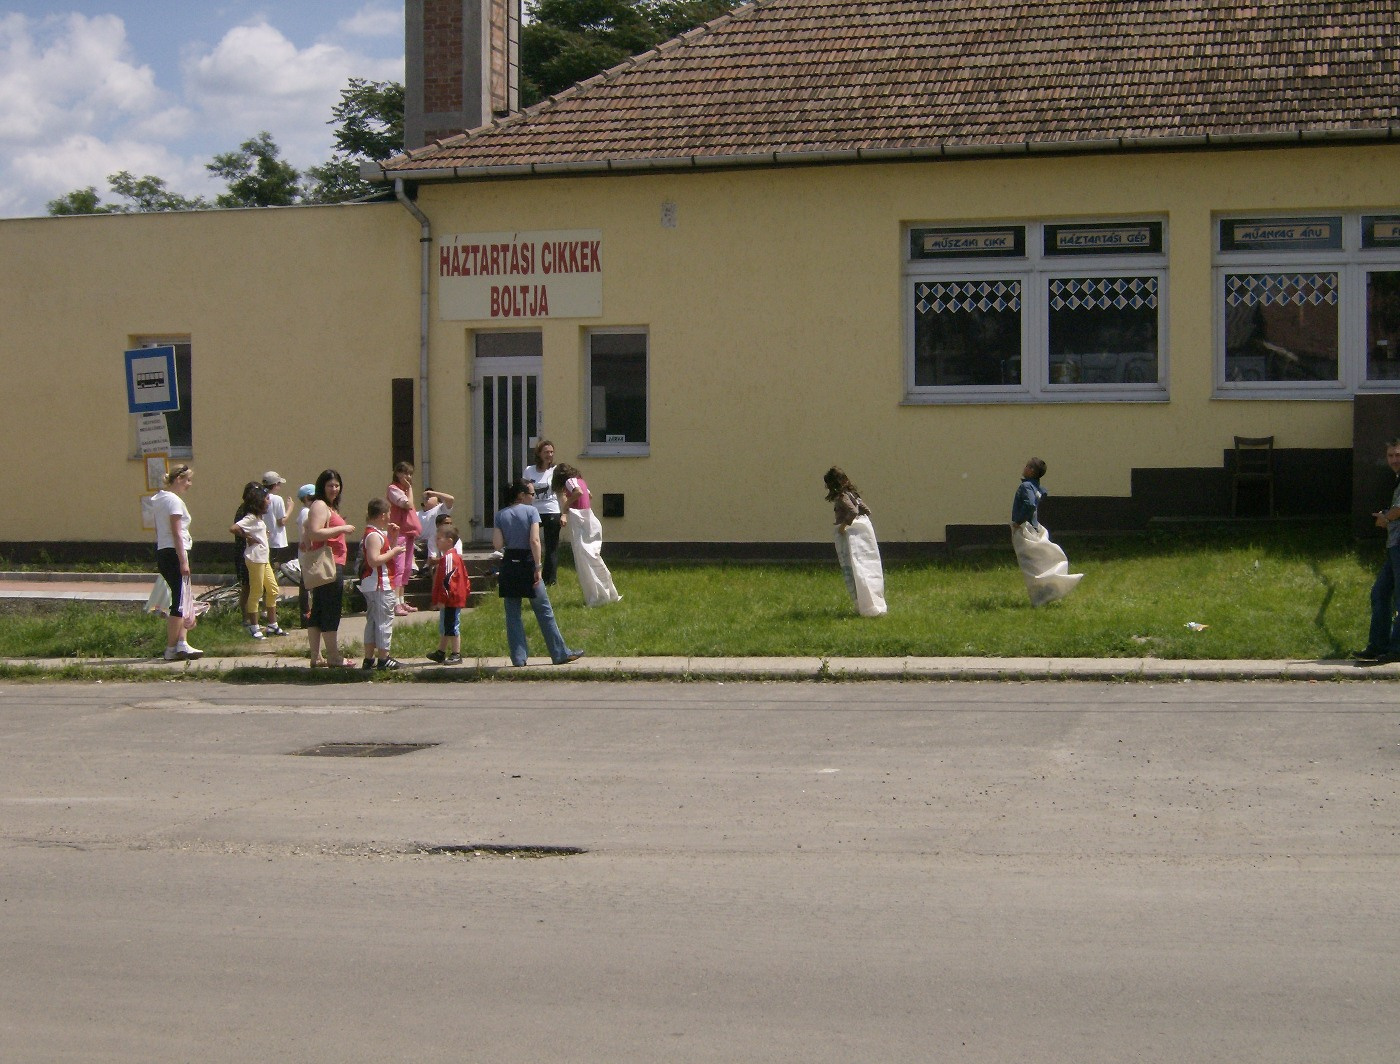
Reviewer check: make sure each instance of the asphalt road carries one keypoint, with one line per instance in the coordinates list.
(986, 872)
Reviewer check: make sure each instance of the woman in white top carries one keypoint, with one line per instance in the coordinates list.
(173, 543)
(541, 475)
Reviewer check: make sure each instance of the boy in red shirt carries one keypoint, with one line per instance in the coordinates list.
(451, 586)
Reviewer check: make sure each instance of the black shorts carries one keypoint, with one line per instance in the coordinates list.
(327, 601)
(168, 564)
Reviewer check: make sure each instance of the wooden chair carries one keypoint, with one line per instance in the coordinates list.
(1254, 464)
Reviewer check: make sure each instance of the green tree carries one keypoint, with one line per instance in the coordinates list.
(567, 41)
(256, 175)
(80, 201)
(143, 195)
(368, 124)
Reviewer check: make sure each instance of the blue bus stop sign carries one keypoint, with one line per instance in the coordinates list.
(150, 380)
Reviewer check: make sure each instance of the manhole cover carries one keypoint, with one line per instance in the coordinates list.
(361, 749)
(491, 849)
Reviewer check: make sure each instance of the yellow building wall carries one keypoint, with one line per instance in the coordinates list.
(775, 315)
(776, 318)
(297, 317)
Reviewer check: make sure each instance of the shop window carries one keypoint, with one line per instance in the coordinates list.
(179, 424)
(1009, 313)
(1308, 305)
(967, 332)
(1383, 325)
(617, 392)
(1281, 327)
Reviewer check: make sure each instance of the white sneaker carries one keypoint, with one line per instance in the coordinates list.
(188, 652)
(174, 654)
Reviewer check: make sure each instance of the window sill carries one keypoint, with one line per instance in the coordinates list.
(1333, 394)
(981, 398)
(616, 450)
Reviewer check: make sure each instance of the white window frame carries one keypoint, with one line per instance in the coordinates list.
(1351, 263)
(1035, 270)
(631, 448)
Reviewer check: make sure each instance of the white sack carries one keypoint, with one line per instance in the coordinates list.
(586, 535)
(859, 555)
(1043, 564)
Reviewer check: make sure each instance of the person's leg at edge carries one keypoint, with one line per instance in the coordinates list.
(515, 633)
(559, 651)
(549, 535)
(1383, 593)
(1392, 555)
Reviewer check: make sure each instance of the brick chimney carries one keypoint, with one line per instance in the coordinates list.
(462, 66)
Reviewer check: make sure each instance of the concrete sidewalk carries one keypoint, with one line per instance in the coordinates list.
(805, 668)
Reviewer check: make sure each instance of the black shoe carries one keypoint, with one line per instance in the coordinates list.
(1368, 655)
(389, 663)
(438, 656)
(367, 665)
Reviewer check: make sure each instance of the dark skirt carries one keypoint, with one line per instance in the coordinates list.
(517, 578)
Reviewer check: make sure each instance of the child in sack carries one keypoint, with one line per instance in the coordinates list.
(451, 586)
(376, 584)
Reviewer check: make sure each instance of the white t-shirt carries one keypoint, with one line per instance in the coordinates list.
(302, 515)
(546, 502)
(255, 543)
(428, 533)
(165, 504)
(276, 512)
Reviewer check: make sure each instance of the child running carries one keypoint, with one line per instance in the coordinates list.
(376, 583)
(451, 586)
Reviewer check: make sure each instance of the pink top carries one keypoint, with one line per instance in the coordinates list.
(337, 542)
(401, 513)
(577, 484)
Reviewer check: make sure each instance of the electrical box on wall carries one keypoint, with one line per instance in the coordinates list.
(613, 505)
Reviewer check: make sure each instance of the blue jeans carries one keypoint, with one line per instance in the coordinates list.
(544, 614)
(1385, 600)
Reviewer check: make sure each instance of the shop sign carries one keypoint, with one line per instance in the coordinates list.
(1379, 232)
(1280, 234)
(515, 276)
(1136, 238)
(967, 242)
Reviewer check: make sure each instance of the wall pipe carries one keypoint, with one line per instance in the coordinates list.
(425, 241)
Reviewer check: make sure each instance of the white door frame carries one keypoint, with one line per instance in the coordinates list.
(507, 411)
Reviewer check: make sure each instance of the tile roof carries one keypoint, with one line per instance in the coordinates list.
(805, 80)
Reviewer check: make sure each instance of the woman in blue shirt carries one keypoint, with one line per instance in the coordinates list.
(517, 536)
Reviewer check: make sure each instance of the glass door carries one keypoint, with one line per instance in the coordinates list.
(507, 414)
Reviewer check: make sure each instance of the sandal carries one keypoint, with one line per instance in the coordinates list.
(320, 663)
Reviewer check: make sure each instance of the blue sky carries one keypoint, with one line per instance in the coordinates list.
(159, 87)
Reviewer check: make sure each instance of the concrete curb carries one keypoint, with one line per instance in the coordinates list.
(791, 669)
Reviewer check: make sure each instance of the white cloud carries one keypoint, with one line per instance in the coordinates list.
(67, 74)
(375, 21)
(82, 159)
(78, 104)
(256, 79)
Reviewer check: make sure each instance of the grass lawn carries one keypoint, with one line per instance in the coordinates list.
(1266, 591)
